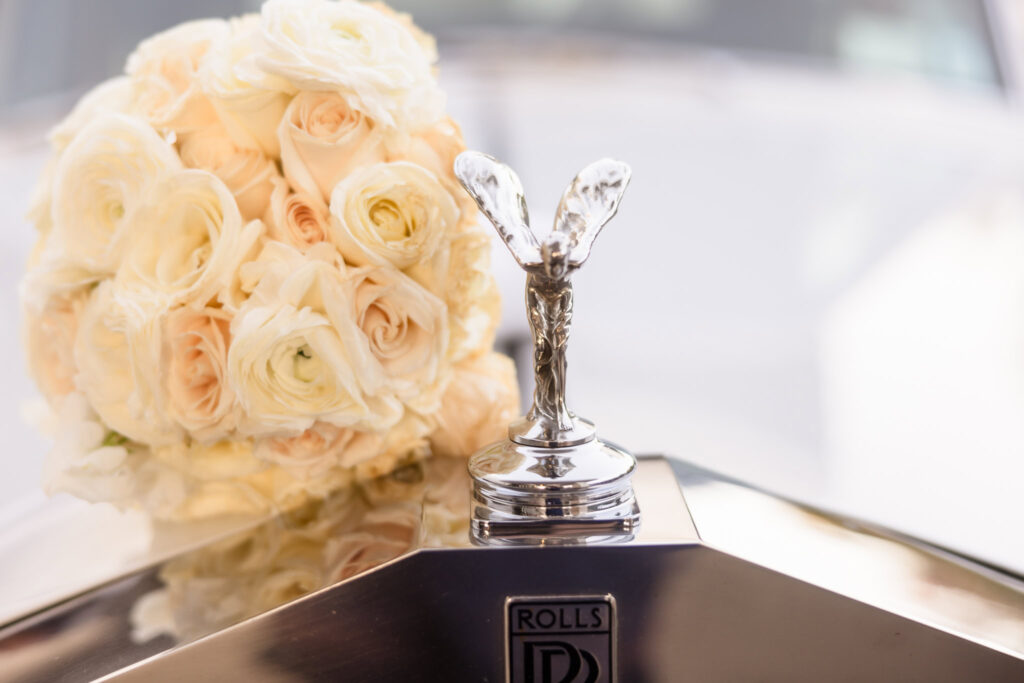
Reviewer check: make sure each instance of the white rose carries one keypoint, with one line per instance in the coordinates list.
(391, 214)
(248, 102)
(322, 139)
(199, 396)
(117, 353)
(295, 350)
(188, 243)
(50, 342)
(319, 449)
(296, 218)
(367, 56)
(479, 403)
(406, 330)
(163, 75)
(246, 171)
(102, 180)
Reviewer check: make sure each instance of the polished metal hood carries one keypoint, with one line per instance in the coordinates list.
(723, 582)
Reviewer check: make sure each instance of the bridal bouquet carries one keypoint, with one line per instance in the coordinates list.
(257, 279)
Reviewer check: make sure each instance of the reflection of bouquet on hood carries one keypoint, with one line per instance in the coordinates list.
(257, 277)
(360, 527)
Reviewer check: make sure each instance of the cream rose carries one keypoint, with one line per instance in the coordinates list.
(406, 331)
(163, 70)
(246, 171)
(322, 139)
(188, 243)
(199, 396)
(391, 214)
(249, 102)
(367, 56)
(479, 403)
(117, 353)
(294, 352)
(319, 449)
(50, 343)
(435, 149)
(102, 180)
(296, 218)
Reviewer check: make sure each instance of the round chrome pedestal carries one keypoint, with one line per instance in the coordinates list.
(527, 495)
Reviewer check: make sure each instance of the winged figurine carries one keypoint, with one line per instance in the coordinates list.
(587, 204)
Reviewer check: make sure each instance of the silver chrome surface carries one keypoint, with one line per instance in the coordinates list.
(552, 478)
(768, 591)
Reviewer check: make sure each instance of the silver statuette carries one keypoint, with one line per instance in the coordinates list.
(552, 478)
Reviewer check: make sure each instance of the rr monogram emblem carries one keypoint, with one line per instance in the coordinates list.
(560, 639)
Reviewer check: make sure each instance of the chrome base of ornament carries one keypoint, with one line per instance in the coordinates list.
(531, 495)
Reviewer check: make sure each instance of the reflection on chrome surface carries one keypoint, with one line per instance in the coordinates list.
(321, 543)
(422, 505)
(886, 599)
(869, 564)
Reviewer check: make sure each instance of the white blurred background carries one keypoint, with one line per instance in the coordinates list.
(815, 282)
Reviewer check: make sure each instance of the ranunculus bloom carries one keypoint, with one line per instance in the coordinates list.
(391, 214)
(113, 96)
(102, 180)
(366, 55)
(295, 352)
(117, 352)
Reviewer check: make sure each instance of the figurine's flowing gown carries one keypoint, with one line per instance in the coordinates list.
(549, 303)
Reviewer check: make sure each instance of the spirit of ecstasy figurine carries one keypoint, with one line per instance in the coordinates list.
(552, 478)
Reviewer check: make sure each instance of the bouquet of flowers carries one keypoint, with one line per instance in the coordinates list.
(257, 279)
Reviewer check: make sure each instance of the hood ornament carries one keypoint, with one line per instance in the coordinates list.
(552, 478)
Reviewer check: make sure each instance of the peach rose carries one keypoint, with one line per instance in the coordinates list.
(406, 330)
(296, 218)
(246, 171)
(200, 397)
(50, 343)
(322, 139)
(479, 403)
(163, 75)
